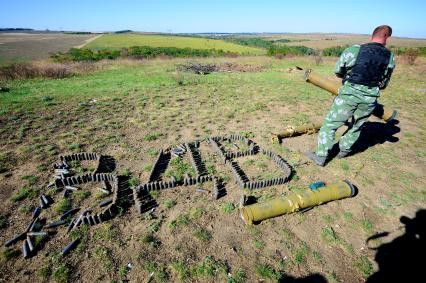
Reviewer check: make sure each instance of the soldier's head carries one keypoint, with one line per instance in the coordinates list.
(381, 34)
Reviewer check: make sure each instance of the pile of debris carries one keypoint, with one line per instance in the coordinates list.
(204, 69)
(241, 68)
(197, 68)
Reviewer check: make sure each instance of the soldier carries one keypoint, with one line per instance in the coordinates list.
(365, 69)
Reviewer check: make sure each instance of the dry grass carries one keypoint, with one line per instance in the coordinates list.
(45, 70)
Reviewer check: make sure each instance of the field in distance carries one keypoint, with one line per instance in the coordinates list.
(128, 40)
(326, 40)
(22, 47)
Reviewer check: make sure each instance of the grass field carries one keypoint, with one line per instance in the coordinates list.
(129, 40)
(22, 47)
(321, 41)
(131, 109)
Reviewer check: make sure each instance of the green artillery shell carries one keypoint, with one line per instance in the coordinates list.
(15, 239)
(25, 249)
(70, 247)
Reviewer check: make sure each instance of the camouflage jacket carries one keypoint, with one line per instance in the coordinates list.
(347, 61)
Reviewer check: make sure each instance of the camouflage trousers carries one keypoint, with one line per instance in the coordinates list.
(345, 106)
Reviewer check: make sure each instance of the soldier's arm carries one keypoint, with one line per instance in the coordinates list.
(388, 73)
(346, 61)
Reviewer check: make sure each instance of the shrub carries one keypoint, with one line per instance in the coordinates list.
(290, 50)
(335, 51)
(252, 41)
(136, 52)
(283, 40)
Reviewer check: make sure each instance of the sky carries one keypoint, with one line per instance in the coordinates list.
(406, 17)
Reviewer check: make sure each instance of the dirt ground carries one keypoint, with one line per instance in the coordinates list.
(22, 47)
(131, 109)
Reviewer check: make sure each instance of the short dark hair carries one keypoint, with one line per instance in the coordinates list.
(382, 31)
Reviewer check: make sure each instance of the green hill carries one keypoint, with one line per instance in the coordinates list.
(128, 40)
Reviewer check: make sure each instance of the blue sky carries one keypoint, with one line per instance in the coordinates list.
(360, 16)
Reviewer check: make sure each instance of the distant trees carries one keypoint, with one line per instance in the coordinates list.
(251, 41)
(138, 52)
(84, 54)
(290, 50)
(335, 51)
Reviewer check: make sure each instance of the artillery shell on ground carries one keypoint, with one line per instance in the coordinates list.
(71, 188)
(41, 234)
(44, 200)
(67, 193)
(243, 200)
(85, 220)
(36, 212)
(70, 247)
(78, 221)
(104, 191)
(71, 225)
(90, 220)
(30, 244)
(15, 239)
(25, 249)
(31, 224)
(42, 203)
(61, 171)
(105, 202)
(56, 224)
(69, 212)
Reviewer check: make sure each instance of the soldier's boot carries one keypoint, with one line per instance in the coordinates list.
(319, 160)
(343, 154)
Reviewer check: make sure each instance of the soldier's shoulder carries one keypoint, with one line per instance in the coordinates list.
(350, 53)
(354, 47)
